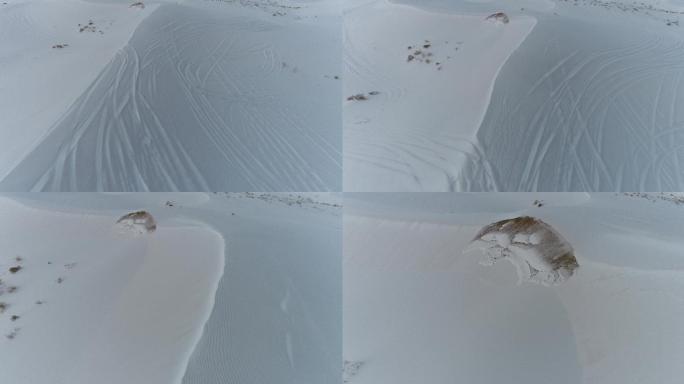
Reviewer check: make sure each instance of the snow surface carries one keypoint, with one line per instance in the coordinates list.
(226, 285)
(186, 95)
(416, 309)
(579, 95)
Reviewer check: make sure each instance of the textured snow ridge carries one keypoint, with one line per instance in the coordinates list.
(137, 223)
(539, 253)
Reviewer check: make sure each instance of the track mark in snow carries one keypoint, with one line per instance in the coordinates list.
(194, 102)
(598, 119)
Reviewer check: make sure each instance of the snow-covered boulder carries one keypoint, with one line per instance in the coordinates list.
(539, 253)
(138, 223)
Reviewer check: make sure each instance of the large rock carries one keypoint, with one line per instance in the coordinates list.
(140, 222)
(539, 253)
(498, 17)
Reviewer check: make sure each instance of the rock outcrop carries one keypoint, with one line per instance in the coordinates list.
(139, 223)
(539, 253)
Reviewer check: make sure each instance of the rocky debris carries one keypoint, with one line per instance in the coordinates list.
(539, 253)
(357, 97)
(499, 17)
(70, 265)
(362, 96)
(60, 46)
(138, 223)
(676, 199)
(90, 27)
(423, 53)
(289, 199)
(138, 4)
(350, 369)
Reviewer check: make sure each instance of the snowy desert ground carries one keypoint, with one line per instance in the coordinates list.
(226, 288)
(188, 95)
(419, 306)
(568, 95)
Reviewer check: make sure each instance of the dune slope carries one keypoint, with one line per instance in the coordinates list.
(228, 96)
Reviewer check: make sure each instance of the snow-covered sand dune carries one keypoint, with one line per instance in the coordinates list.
(433, 72)
(600, 109)
(109, 303)
(278, 312)
(38, 83)
(94, 303)
(579, 95)
(418, 309)
(205, 96)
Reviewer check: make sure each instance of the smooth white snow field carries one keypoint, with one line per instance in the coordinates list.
(220, 288)
(582, 95)
(188, 95)
(417, 308)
